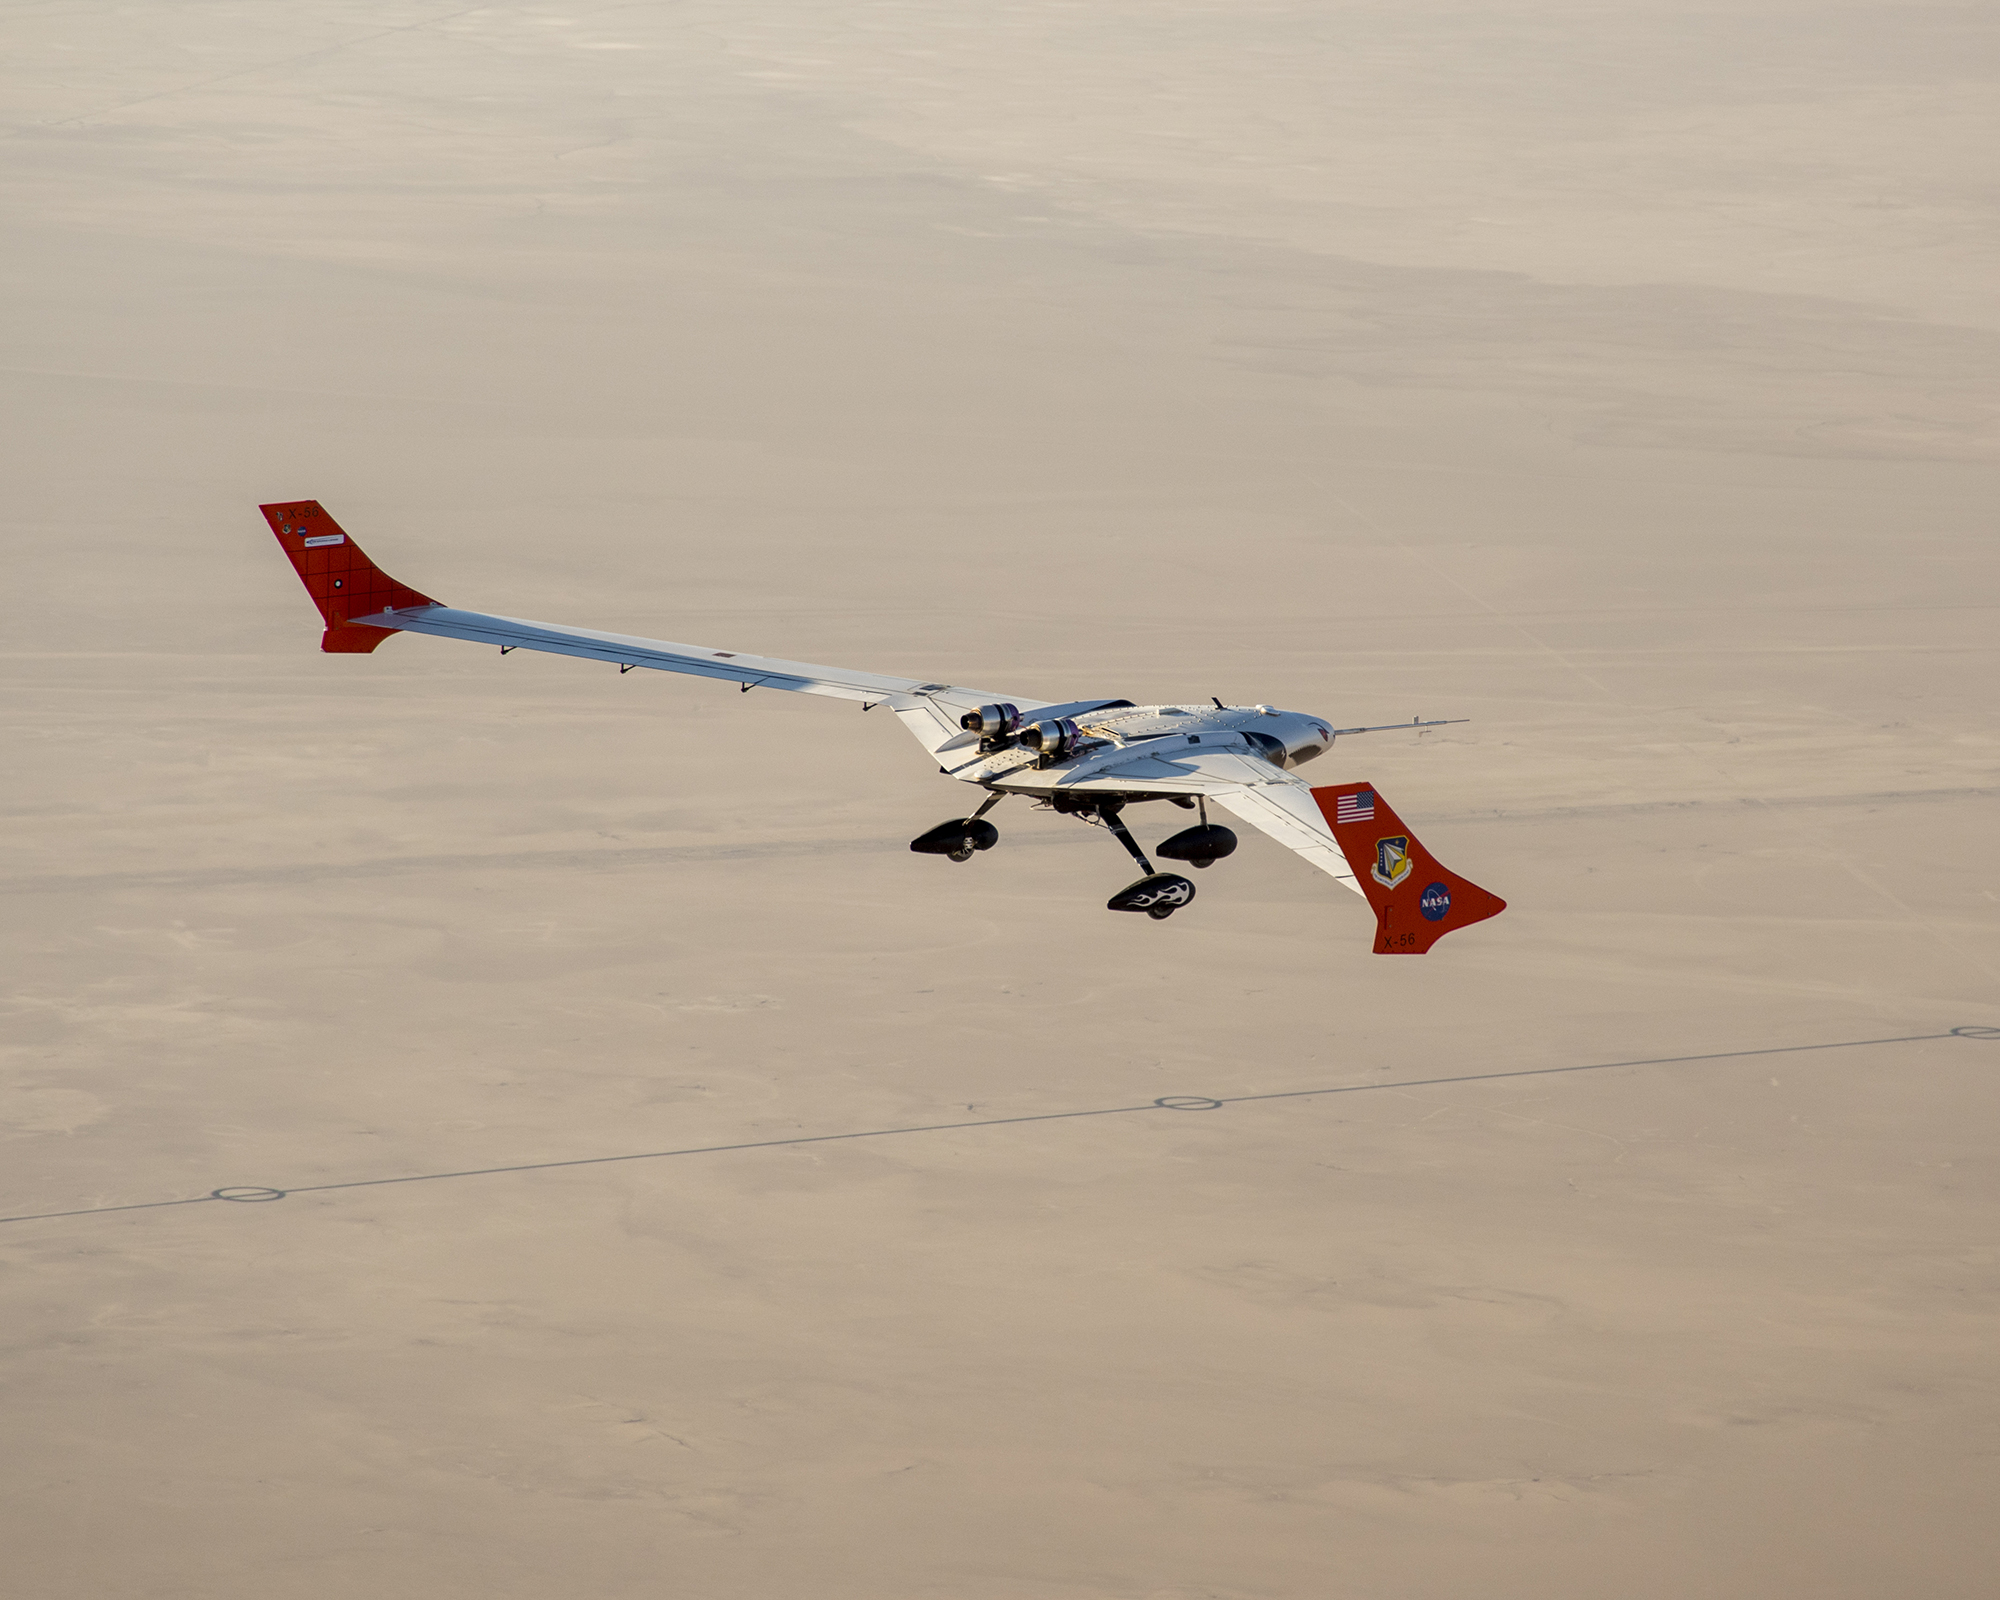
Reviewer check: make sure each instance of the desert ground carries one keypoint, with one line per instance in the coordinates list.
(1623, 378)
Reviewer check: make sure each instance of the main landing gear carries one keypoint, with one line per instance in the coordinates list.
(1158, 894)
(961, 836)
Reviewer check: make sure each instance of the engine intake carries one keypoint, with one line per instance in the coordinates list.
(1272, 750)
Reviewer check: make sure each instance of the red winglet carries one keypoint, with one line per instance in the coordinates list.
(1416, 901)
(341, 580)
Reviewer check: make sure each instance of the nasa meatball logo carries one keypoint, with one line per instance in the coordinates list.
(1434, 902)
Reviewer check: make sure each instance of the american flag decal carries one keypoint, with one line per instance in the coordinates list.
(1356, 807)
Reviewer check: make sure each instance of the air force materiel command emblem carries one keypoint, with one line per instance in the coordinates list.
(1392, 860)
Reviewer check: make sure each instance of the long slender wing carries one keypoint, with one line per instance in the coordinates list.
(362, 606)
(929, 710)
(1266, 797)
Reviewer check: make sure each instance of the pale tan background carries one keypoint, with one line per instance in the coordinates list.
(1620, 376)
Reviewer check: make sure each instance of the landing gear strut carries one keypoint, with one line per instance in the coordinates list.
(1109, 810)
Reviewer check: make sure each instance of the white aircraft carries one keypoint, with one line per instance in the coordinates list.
(1090, 759)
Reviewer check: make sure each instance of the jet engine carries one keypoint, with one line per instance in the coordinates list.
(1052, 740)
(1198, 846)
(996, 726)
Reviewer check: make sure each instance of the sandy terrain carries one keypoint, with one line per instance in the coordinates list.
(1624, 378)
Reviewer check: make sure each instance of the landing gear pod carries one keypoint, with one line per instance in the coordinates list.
(957, 838)
(1198, 846)
(1159, 896)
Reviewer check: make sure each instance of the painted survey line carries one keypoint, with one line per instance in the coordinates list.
(259, 1194)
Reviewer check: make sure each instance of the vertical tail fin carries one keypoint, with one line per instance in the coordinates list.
(1417, 901)
(342, 581)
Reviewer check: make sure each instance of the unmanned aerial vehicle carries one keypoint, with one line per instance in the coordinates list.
(1091, 759)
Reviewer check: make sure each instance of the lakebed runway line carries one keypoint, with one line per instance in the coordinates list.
(258, 1194)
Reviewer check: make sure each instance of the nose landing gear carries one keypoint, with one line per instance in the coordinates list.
(1158, 894)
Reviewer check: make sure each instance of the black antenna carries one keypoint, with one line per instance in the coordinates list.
(1219, 706)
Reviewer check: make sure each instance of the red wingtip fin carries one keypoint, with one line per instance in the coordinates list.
(1417, 901)
(342, 581)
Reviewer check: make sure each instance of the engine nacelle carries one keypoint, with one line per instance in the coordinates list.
(991, 719)
(1052, 740)
(996, 726)
(1198, 846)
